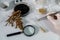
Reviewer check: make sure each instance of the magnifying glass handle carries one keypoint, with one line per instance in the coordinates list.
(12, 34)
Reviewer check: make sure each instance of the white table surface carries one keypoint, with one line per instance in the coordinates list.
(31, 18)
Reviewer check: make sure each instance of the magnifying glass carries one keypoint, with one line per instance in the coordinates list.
(29, 30)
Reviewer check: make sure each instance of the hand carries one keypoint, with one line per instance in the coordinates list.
(55, 22)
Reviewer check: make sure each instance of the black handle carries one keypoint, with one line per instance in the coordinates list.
(12, 34)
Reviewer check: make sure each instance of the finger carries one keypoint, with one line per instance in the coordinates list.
(58, 16)
(51, 18)
(52, 15)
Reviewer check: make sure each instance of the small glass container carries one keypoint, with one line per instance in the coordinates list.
(42, 10)
(4, 5)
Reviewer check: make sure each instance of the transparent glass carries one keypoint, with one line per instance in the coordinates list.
(29, 30)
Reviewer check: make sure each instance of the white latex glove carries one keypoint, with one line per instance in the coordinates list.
(55, 22)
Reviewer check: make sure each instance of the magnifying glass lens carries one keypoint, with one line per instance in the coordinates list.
(29, 31)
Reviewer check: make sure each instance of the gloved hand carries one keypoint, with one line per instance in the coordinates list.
(55, 22)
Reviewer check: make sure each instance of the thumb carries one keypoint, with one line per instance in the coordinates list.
(50, 18)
